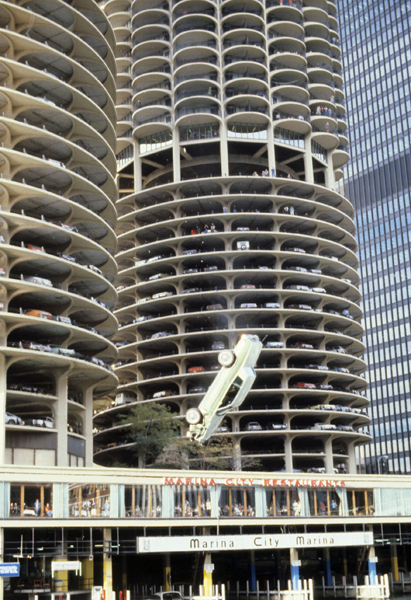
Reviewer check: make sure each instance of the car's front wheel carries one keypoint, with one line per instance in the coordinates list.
(193, 416)
(226, 358)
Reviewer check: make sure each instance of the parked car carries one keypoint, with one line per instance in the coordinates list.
(324, 426)
(192, 251)
(325, 386)
(301, 288)
(339, 349)
(155, 258)
(42, 314)
(345, 428)
(274, 345)
(214, 307)
(300, 269)
(243, 229)
(141, 300)
(217, 346)
(294, 250)
(271, 305)
(228, 390)
(247, 286)
(198, 369)
(300, 306)
(157, 276)
(190, 290)
(163, 394)
(317, 367)
(38, 280)
(304, 385)
(319, 290)
(253, 426)
(211, 268)
(248, 305)
(276, 426)
(41, 422)
(303, 345)
(13, 419)
(188, 271)
(162, 295)
(198, 389)
(160, 334)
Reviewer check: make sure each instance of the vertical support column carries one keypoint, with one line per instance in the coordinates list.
(288, 456)
(176, 156)
(208, 575)
(167, 572)
(272, 170)
(88, 571)
(394, 562)
(329, 174)
(88, 426)
(308, 161)
(329, 463)
(327, 566)
(237, 455)
(107, 565)
(124, 573)
(1, 557)
(253, 575)
(138, 181)
(372, 566)
(225, 167)
(3, 399)
(60, 419)
(295, 568)
(345, 565)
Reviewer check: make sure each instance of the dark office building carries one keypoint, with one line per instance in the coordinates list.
(376, 42)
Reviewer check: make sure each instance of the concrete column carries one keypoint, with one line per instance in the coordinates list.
(345, 565)
(88, 570)
(208, 575)
(295, 568)
(372, 566)
(329, 463)
(394, 562)
(253, 574)
(3, 398)
(176, 156)
(88, 426)
(2, 552)
(138, 183)
(327, 566)
(166, 572)
(60, 419)
(288, 456)
(352, 463)
(107, 566)
(272, 170)
(308, 161)
(224, 150)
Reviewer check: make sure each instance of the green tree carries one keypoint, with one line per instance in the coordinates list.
(152, 427)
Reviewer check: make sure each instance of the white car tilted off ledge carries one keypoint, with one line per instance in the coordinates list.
(228, 389)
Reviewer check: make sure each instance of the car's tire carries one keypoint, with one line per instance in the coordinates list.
(226, 358)
(193, 416)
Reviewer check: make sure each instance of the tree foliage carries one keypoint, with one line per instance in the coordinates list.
(152, 427)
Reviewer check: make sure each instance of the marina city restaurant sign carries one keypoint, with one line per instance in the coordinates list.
(216, 543)
(246, 481)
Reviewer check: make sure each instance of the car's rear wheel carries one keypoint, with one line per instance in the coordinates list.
(193, 416)
(226, 358)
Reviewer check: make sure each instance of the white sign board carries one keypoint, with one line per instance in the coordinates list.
(65, 565)
(217, 543)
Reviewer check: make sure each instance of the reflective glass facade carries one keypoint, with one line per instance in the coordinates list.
(376, 42)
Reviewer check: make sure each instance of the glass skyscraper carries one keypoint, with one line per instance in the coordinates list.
(376, 42)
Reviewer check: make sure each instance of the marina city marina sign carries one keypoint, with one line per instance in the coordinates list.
(215, 543)
(250, 482)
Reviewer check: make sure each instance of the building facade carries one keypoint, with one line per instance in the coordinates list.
(57, 194)
(377, 80)
(239, 138)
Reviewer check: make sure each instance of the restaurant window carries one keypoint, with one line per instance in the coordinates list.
(324, 502)
(360, 502)
(143, 501)
(236, 502)
(89, 500)
(27, 500)
(192, 501)
(284, 503)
